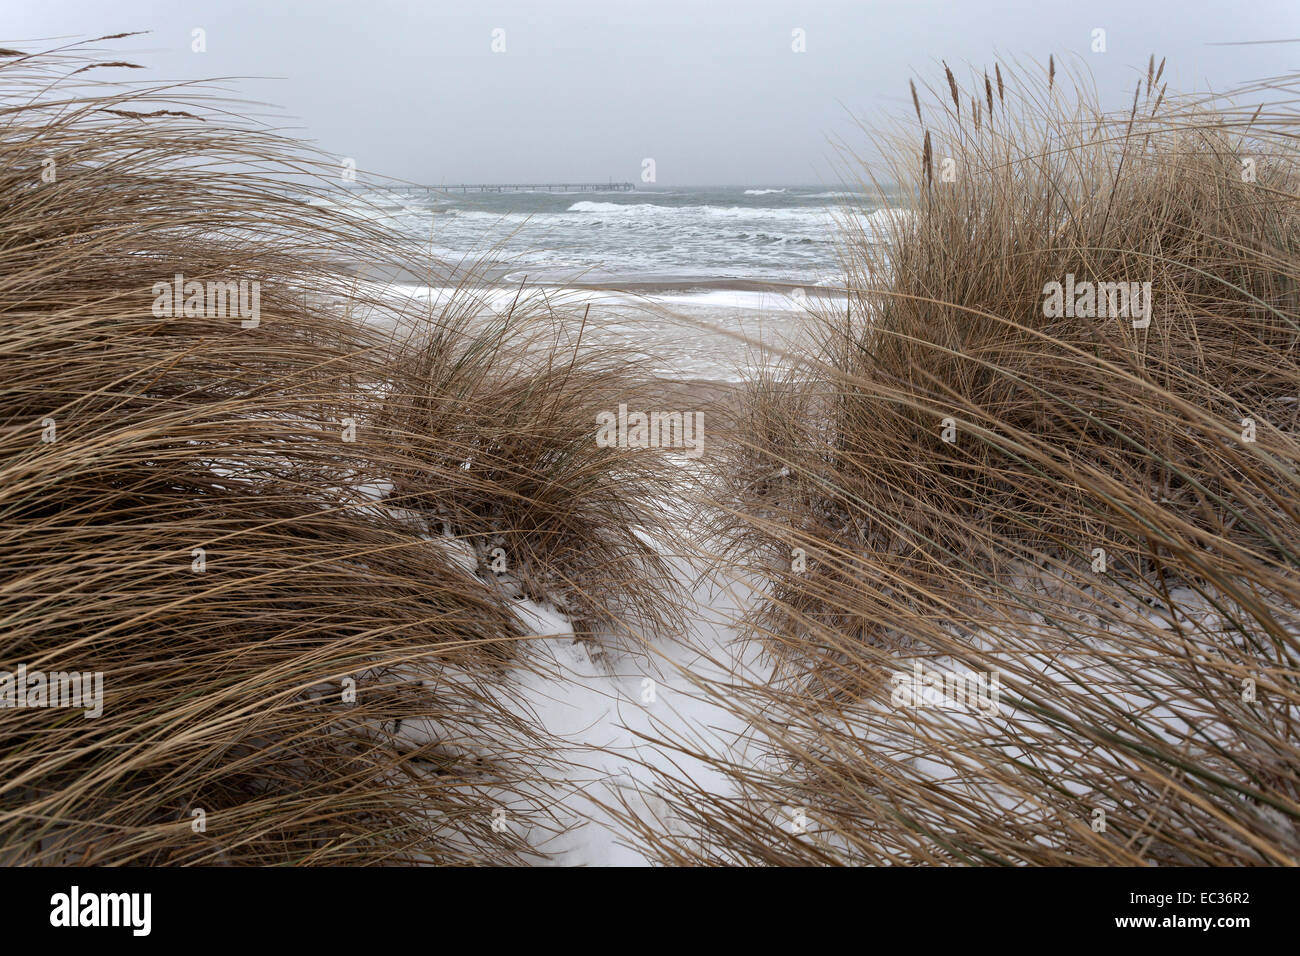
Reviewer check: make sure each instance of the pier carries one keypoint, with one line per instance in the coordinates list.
(518, 187)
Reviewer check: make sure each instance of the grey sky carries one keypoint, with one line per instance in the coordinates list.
(711, 89)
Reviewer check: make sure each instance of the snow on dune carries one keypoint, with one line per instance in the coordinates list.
(614, 709)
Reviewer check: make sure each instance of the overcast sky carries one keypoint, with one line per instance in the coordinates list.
(584, 90)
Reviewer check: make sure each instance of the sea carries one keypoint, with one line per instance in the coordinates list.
(702, 280)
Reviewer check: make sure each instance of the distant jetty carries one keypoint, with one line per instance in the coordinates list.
(519, 187)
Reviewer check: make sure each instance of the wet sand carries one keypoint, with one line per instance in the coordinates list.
(439, 273)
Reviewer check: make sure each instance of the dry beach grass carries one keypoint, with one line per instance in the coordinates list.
(237, 522)
(948, 478)
(195, 506)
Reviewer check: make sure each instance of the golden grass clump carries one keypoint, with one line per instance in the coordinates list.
(192, 505)
(956, 477)
(494, 429)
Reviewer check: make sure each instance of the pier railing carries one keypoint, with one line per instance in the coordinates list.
(518, 187)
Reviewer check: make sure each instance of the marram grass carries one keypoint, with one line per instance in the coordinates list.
(275, 537)
(1094, 512)
(229, 517)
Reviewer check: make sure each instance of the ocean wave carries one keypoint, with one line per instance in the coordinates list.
(628, 210)
(588, 205)
(764, 238)
(879, 220)
(762, 192)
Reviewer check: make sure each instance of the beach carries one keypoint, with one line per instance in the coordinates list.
(698, 280)
(348, 523)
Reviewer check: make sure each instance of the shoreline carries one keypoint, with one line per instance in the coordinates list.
(503, 275)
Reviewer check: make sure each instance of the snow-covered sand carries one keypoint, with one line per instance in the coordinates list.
(617, 710)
